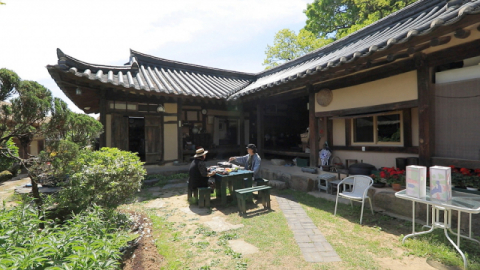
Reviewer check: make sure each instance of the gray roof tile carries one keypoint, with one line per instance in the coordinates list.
(149, 73)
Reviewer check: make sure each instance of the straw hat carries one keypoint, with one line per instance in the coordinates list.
(200, 152)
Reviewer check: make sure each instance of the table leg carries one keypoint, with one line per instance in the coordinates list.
(446, 216)
(413, 217)
(419, 233)
(223, 192)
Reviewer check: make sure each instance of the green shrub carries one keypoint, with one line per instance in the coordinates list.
(108, 177)
(5, 162)
(90, 240)
(5, 175)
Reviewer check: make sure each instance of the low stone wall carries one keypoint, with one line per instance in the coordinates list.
(383, 200)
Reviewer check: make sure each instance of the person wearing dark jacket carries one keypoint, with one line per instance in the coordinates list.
(198, 174)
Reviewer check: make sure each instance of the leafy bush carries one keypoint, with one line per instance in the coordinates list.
(90, 240)
(5, 162)
(108, 177)
(5, 175)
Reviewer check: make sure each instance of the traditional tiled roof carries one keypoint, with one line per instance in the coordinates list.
(418, 19)
(148, 73)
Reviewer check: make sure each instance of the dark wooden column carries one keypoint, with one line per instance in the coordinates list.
(313, 126)
(179, 130)
(407, 127)
(426, 110)
(103, 118)
(260, 128)
(329, 133)
(242, 129)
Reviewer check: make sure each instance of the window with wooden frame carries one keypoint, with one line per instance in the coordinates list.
(380, 129)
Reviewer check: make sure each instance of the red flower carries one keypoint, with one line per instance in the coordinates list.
(383, 174)
(477, 171)
(453, 167)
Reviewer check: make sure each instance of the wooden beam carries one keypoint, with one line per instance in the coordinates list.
(434, 42)
(369, 109)
(260, 128)
(242, 129)
(348, 132)
(426, 110)
(407, 127)
(313, 125)
(329, 132)
(103, 118)
(179, 132)
(462, 33)
(395, 68)
(454, 54)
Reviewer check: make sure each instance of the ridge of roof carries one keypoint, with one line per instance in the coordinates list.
(153, 60)
(64, 59)
(406, 13)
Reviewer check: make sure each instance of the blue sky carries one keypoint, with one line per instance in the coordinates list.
(229, 34)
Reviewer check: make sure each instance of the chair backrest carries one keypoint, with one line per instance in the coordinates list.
(361, 184)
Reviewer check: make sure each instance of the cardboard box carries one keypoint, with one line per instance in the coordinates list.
(416, 181)
(440, 183)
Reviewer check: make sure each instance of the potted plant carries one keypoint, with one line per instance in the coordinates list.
(377, 181)
(394, 176)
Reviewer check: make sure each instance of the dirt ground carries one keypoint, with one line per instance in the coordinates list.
(172, 202)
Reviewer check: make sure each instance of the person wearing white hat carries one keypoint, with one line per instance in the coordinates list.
(198, 174)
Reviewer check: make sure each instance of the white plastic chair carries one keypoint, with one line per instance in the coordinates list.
(358, 192)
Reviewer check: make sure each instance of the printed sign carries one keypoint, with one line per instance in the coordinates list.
(441, 183)
(416, 181)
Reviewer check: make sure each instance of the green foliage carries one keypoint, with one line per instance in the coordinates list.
(82, 129)
(107, 177)
(338, 18)
(9, 80)
(90, 240)
(5, 162)
(5, 175)
(287, 45)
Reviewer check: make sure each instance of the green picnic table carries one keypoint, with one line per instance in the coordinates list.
(234, 180)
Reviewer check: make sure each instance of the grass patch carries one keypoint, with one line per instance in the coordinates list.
(164, 179)
(381, 236)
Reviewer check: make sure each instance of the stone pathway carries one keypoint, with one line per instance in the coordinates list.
(314, 246)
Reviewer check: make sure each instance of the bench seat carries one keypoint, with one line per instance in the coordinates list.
(243, 194)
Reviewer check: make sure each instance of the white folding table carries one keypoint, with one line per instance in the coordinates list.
(461, 202)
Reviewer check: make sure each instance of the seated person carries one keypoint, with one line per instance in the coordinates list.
(251, 161)
(198, 175)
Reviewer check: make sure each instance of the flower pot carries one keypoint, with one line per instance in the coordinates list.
(397, 187)
(378, 185)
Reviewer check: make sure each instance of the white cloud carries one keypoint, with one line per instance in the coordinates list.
(103, 31)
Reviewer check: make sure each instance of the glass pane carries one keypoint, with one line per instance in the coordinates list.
(363, 129)
(388, 128)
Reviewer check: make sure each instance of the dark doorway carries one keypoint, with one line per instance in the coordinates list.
(136, 136)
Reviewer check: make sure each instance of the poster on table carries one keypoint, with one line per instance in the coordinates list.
(416, 181)
(441, 183)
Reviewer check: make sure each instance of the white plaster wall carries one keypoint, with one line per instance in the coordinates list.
(402, 87)
(170, 141)
(338, 132)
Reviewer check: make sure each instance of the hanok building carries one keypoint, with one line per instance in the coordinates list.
(405, 86)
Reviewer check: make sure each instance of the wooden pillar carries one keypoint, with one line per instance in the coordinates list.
(407, 127)
(329, 133)
(103, 118)
(179, 130)
(426, 110)
(260, 128)
(242, 129)
(313, 126)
